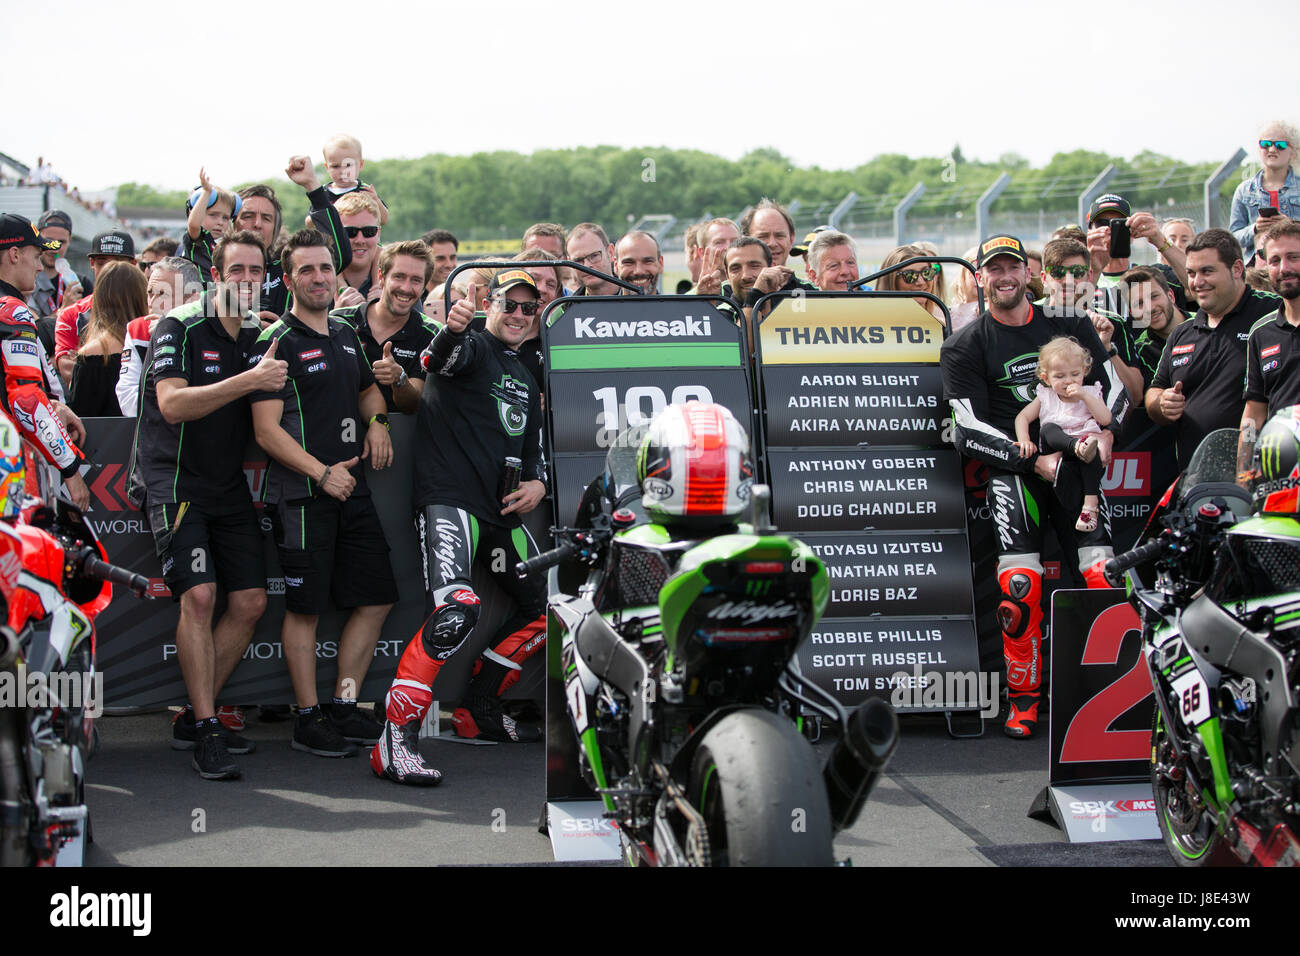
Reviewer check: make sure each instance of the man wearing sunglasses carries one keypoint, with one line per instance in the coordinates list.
(1068, 280)
(480, 407)
(359, 213)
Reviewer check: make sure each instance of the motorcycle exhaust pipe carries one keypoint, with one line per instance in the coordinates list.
(858, 760)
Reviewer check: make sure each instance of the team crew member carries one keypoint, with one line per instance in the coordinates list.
(24, 396)
(1198, 384)
(480, 406)
(989, 371)
(393, 331)
(189, 449)
(1273, 348)
(316, 430)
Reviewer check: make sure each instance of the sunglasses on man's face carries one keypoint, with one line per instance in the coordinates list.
(527, 308)
(1059, 272)
(368, 231)
(925, 275)
(1279, 143)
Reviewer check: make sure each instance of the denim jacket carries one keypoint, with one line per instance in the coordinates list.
(1251, 197)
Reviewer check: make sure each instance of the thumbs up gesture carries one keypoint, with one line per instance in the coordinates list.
(1173, 402)
(463, 311)
(269, 374)
(387, 370)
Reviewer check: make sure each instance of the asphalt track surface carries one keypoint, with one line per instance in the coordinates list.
(944, 802)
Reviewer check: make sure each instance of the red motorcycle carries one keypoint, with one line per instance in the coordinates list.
(54, 581)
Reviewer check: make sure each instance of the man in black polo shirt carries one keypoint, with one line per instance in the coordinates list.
(480, 406)
(316, 430)
(393, 330)
(1273, 348)
(1198, 384)
(189, 452)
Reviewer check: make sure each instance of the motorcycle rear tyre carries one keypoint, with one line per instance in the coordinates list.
(759, 786)
(1195, 842)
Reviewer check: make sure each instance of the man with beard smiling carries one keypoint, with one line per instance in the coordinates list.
(316, 430)
(989, 374)
(639, 261)
(393, 331)
(1273, 348)
(480, 407)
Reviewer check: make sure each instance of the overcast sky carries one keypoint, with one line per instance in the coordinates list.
(149, 91)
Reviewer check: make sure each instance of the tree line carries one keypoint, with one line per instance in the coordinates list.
(487, 195)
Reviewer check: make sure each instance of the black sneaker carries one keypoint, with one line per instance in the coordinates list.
(356, 725)
(185, 735)
(212, 759)
(483, 717)
(316, 734)
(397, 756)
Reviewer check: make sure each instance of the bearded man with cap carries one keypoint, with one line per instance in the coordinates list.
(24, 397)
(989, 374)
(114, 246)
(479, 410)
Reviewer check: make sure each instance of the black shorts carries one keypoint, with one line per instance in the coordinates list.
(332, 549)
(203, 544)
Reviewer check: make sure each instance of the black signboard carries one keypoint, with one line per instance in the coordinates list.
(615, 361)
(916, 663)
(136, 639)
(811, 405)
(905, 573)
(1101, 690)
(889, 490)
(861, 466)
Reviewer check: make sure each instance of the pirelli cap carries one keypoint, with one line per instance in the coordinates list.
(509, 279)
(1111, 203)
(112, 244)
(17, 231)
(1001, 246)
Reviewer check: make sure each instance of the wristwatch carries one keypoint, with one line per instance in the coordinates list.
(1112, 351)
(382, 418)
(401, 380)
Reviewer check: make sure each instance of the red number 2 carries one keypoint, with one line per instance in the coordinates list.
(1088, 739)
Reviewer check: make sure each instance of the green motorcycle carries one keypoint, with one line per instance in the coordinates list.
(1221, 636)
(677, 649)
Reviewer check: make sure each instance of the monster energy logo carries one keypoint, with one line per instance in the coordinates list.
(1270, 456)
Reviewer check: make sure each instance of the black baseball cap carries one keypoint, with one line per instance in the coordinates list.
(54, 217)
(17, 231)
(801, 249)
(112, 244)
(507, 280)
(1109, 203)
(995, 246)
